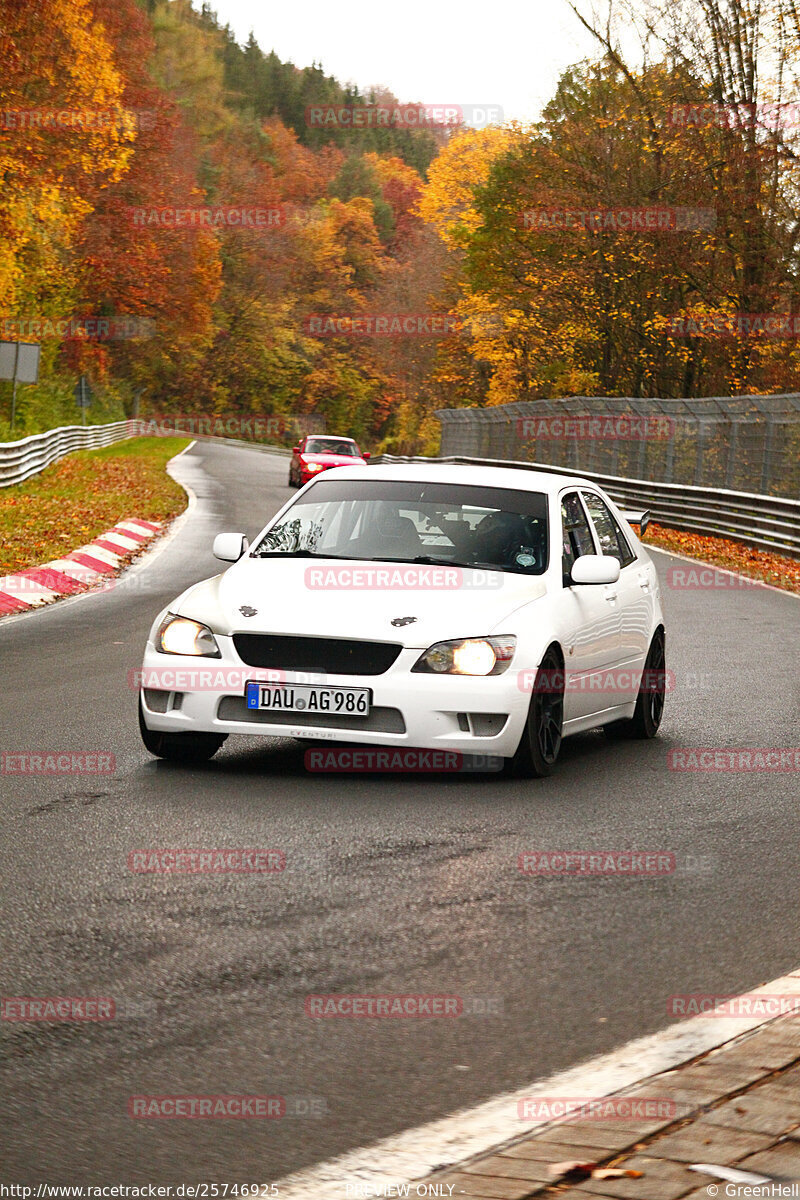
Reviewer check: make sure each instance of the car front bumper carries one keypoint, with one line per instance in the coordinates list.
(466, 714)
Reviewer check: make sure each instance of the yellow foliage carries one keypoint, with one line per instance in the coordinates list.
(463, 164)
(73, 131)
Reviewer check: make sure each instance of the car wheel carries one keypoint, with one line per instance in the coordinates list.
(649, 709)
(179, 747)
(541, 738)
(291, 480)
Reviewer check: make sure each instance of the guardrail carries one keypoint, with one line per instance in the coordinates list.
(767, 522)
(20, 460)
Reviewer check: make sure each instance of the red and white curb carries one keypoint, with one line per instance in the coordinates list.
(85, 568)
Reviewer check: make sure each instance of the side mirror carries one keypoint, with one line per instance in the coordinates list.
(229, 547)
(295, 449)
(595, 568)
(365, 455)
(639, 517)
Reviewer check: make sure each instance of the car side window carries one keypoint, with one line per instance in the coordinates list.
(577, 536)
(612, 540)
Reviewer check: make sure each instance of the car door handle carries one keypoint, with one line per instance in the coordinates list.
(611, 595)
(644, 583)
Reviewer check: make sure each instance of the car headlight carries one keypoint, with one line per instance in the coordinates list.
(181, 635)
(314, 466)
(468, 656)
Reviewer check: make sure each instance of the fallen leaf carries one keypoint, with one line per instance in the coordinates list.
(616, 1173)
(572, 1169)
(781, 571)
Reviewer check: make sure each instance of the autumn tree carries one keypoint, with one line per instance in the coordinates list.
(64, 124)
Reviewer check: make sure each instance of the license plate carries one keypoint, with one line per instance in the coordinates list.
(289, 697)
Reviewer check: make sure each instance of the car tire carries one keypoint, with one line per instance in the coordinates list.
(179, 747)
(649, 709)
(541, 738)
(291, 480)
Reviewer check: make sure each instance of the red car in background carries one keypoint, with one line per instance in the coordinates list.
(317, 452)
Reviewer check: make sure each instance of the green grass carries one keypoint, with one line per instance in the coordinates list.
(85, 494)
(51, 403)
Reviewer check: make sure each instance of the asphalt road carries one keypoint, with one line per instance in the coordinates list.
(393, 884)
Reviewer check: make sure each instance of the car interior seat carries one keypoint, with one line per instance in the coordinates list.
(501, 536)
(394, 536)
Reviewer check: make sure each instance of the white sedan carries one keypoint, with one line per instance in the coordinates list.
(487, 611)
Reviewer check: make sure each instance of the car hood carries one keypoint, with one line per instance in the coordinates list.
(288, 600)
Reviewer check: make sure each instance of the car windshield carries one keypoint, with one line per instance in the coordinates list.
(331, 446)
(372, 520)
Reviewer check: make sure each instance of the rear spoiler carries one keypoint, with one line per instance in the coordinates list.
(640, 517)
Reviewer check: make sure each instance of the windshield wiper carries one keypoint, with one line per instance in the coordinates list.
(426, 559)
(429, 560)
(299, 554)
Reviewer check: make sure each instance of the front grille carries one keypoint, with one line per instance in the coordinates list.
(334, 656)
(380, 720)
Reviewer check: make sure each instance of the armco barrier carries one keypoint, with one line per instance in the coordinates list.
(20, 460)
(768, 522)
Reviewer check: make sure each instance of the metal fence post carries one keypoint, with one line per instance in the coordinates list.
(699, 451)
(769, 437)
(730, 465)
(14, 385)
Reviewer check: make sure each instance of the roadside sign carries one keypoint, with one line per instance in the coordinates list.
(20, 361)
(83, 393)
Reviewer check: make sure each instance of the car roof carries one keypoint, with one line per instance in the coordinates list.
(500, 477)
